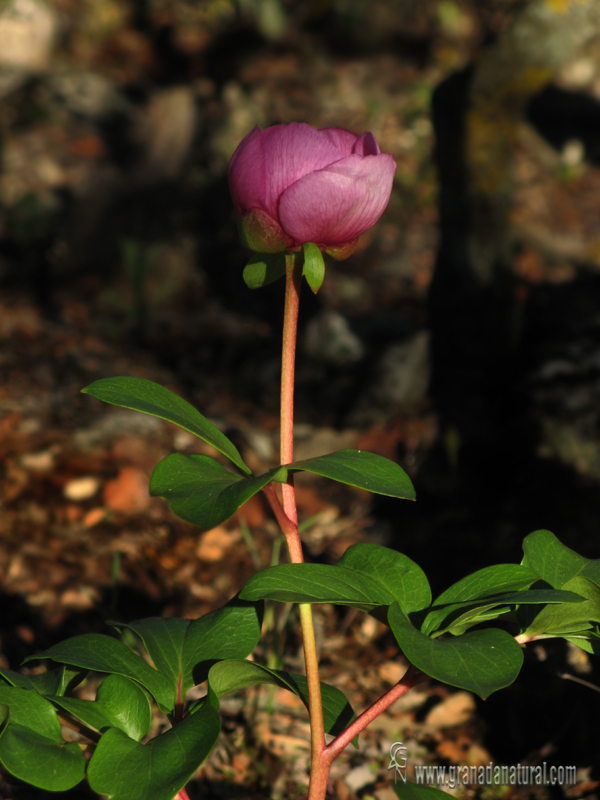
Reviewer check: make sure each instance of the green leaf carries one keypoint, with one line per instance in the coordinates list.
(201, 491)
(100, 653)
(31, 746)
(123, 769)
(588, 641)
(163, 639)
(314, 266)
(368, 577)
(264, 268)
(120, 703)
(454, 616)
(554, 620)
(488, 581)
(148, 397)
(230, 676)
(361, 469)
(182, 650)
(229, 632)
(556, 563)
(398, 574)
(31, 710)
(55, 682)
(411, 791)
(317, 583)
(480, 661)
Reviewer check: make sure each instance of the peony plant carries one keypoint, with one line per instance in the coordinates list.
(299, 192)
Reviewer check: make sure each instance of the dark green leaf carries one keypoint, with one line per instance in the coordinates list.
(148, 397)
(488, 581)
(588, 641)
(264, 268)
(54, 682)
(229, 632)
(31, 710)
(411, 791)
(202, 491)
(398, 574)
(480, 661)
(31, 745)
(163, 638)
(120, 703)
(230, 676)
(123, 769)
(556, 563)
(182, 650)
(364, 470)
(453, 616)
(100, 653)
(317, 583)
(314, 266)
(554, 620)
(368, 577)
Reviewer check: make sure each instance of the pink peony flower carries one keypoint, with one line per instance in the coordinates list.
(293, 184)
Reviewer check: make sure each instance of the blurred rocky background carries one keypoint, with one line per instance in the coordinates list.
(462, 339)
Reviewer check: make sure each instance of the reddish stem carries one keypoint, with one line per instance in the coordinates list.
(288, 367)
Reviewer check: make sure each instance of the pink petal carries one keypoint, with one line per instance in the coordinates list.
(337, 204)
(366, 146)
(293, 151)
(247, 172)
(267, 162)
(344, 140)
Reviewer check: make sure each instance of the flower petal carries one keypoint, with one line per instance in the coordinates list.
(366, 146)
(344, 140)
(248, 172)
(337, 204)
(267, 162)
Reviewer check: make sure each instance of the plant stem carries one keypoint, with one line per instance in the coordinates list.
(411, 678)
(287, 514)
(182, 795)
(319, 778)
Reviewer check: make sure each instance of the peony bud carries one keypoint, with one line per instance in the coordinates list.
(293, 184)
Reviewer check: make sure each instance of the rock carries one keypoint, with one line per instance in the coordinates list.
(81, 488)
(401, 380)
(88, 94)
(128, 492)
(27, 32)
(359, 777)
(93, 517)
(456, 709)
(39, 462)
(215, 544)
(329, 338)
(165, 130)
(391, 671)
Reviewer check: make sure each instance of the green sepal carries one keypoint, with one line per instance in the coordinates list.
(314, 266)
(263, 269)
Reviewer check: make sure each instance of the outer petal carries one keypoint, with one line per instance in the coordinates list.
(293, 151)
(267, 162)
(335, 205)
(248, 173)
(344, 140)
